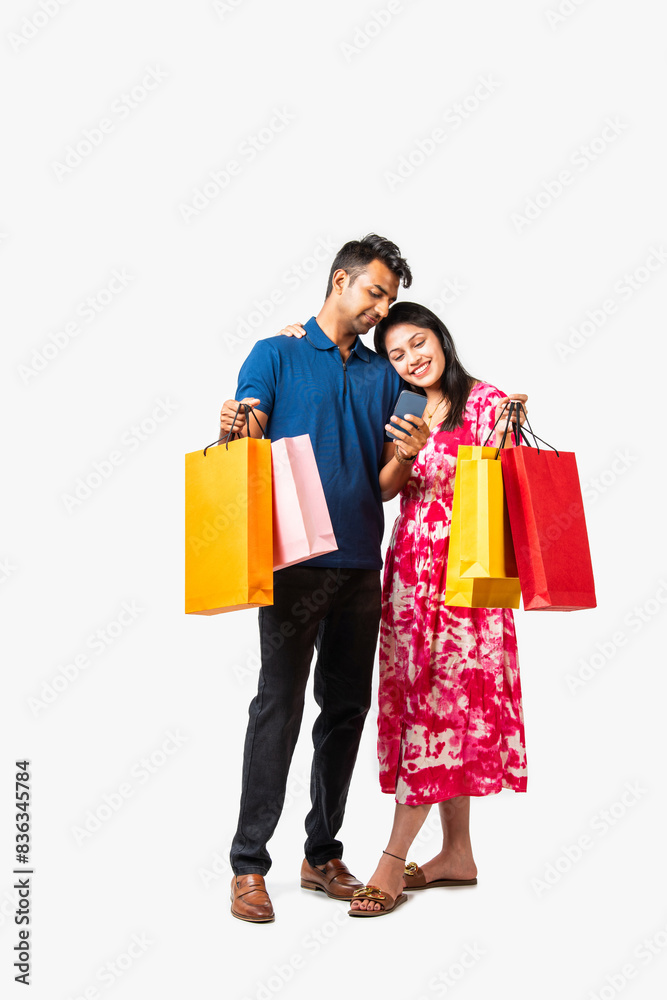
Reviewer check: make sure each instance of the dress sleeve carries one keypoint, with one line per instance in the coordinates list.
(486, 401)
(258, 376)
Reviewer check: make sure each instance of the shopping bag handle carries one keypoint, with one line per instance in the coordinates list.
(247, 409)
(517, 431)
(520, 406)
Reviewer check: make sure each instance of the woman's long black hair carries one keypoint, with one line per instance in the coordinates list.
(456, 382)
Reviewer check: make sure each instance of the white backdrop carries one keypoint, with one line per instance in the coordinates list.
(176, 180)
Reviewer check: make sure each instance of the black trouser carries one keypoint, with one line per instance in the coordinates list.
(337, 612)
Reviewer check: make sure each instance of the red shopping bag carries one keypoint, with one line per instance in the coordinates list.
(548, 525)
(301, 524)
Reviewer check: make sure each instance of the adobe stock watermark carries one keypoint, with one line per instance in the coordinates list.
(230, 516)
(622, 292)
(121, 108)
(249, 323)
(282, 973)
(85, 312)
(97, 643)
(302, 611)
(562, 12)
(233, 514)
(219, 179)
(445, 980)
(599, 825)
(432, 825)
(7, 569)
(218, 867)
(452, 289)
(634, 621)
(140, 774)
(249, 668)
(451, 120)
(8, 906)
(32, 24)
(108, 974)
(376, 23)
(583, 157)
(643, 955)
(430, 828)
(225, 7)
(131, 440)
(596, 487)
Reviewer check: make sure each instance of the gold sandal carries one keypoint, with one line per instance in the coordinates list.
(415, 879)
(387, 902)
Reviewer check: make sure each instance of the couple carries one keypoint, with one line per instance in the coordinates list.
(451, 721)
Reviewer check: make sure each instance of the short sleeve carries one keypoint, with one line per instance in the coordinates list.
(486, 399)
(258, 377)
(397, 385)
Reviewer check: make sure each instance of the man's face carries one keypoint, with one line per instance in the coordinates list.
(366, 300)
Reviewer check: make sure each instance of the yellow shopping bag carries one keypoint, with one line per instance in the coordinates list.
(486, 539)
(228, 527)
(481, 568)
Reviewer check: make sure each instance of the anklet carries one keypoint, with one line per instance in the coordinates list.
(393, 856)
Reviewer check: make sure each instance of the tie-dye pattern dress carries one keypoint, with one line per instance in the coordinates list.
(450, 714)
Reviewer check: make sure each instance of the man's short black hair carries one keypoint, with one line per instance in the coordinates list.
(356, 255)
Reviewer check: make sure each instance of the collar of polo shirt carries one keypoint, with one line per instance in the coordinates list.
(318, 338)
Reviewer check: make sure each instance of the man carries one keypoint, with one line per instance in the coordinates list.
(332, 387)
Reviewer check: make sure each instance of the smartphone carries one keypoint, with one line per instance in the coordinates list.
(408, 402)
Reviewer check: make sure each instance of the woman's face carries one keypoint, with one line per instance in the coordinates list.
(416, 354)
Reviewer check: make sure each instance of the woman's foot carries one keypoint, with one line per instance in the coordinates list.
(450, 864)
(388, 876)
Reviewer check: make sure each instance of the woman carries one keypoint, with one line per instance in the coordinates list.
(450, 715)
(451, 720)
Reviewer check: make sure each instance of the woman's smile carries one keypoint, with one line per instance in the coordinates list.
(416, 354)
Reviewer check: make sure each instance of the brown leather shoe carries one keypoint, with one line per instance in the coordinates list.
(250, 900)
(334, 878)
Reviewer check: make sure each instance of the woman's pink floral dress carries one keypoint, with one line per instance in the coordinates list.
(451, 720)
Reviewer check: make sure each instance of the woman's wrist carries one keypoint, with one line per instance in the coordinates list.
(403, 460)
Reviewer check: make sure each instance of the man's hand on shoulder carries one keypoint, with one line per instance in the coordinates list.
(293, 330)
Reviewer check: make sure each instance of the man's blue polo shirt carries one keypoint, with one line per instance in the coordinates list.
(306, 389)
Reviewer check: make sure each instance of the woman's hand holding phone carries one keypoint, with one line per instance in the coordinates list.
(411, 435)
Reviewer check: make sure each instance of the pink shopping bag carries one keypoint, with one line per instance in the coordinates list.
(301, 524)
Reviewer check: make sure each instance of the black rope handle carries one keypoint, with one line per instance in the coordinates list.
(515, 432)
(511, 406)
(247, 409)
(518, 431)
(532, 432)
(517, 439)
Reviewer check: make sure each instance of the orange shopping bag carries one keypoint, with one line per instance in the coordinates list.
(228, 527)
